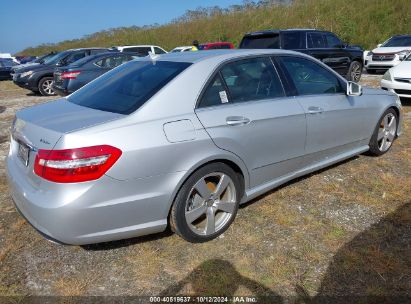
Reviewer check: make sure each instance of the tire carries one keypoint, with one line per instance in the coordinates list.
(384, 133)
(371, 71)
(355, 71)
(45, 86)
(199, 213)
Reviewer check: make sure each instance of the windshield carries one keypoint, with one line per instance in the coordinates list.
(125, 89)
(55, 58)
(41, 59)
(398, 41)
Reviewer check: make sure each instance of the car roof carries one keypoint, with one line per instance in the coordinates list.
(219, 55)
(140, 45)
(216, 43)
(85, 49)
(277, 31)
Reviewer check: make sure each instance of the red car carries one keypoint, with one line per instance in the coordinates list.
(216, 46)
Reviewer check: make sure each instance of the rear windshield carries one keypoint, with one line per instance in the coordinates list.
(126, 88)
(266, 41)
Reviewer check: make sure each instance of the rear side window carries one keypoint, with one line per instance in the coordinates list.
(311, 78)
(112, 61)
(74, 57)
(215, 94)
(157, 50)
(292, 40)
(266, 41)
(249, 79)
(316, 41)
(139, 50)
(126, 88)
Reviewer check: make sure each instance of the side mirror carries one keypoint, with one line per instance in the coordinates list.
(379, 45)
(353, 89)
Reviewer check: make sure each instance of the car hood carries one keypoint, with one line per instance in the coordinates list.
(35, 68)
(403, 70)
(387, 50)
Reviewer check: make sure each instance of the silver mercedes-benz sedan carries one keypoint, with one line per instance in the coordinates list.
(182, 139)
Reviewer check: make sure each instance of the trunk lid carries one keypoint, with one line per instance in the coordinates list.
(41, 127)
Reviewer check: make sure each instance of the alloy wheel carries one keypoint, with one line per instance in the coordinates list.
(210, 204)
(47, 87)
(356, 72)
(386, 132)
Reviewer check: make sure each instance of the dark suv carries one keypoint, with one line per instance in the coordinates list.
(39, 78)
(325, 46)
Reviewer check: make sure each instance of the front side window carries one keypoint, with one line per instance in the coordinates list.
(311, 78)
(332, 41)
(316, 40)
(246, 80)
(126, 88)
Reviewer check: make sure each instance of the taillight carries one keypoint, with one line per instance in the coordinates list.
(75, 165)
(70, 75)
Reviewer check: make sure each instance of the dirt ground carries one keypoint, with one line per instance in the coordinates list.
(343, 231)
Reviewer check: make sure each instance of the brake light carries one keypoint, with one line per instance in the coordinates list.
(70, 75)
(75, 165)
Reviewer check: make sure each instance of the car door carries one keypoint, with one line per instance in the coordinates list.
(335, 121)
(339, 56)
(335, 58)
(245, 111)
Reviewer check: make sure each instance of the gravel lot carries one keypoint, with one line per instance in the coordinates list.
(343, 231)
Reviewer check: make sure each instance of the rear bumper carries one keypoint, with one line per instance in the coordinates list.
(93, 212)
(61, 91)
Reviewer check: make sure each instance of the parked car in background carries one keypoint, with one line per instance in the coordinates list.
(184, 139)
(5, 68)
(182, 49)
(38, 60)
(398, 79)
(388, 54)
(215, 46)
(8, 56)
(39, 78)
(74, 76)
(142, 50)
(25, 59)
(347, 60)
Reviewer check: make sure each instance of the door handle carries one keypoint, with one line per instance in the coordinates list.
(315, 110)
(237, 120)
